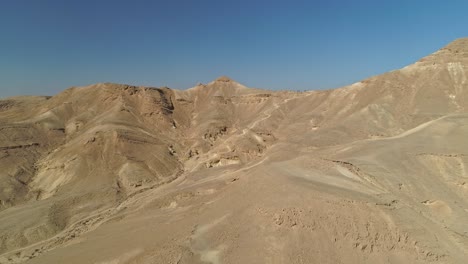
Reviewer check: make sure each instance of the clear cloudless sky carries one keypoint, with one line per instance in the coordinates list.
(49, 45)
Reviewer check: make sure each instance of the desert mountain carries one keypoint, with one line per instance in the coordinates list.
(373, 172)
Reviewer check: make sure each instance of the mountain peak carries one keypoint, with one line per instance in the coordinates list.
(224, 79)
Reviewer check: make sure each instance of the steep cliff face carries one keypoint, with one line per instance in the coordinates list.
(223, 173)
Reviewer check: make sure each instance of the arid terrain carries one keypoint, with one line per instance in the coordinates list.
(375, 172)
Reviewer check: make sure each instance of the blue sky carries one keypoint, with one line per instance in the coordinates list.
(49, 45)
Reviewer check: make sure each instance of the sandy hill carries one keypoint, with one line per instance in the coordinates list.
(373, 172)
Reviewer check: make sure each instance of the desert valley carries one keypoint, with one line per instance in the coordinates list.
(374, 172)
